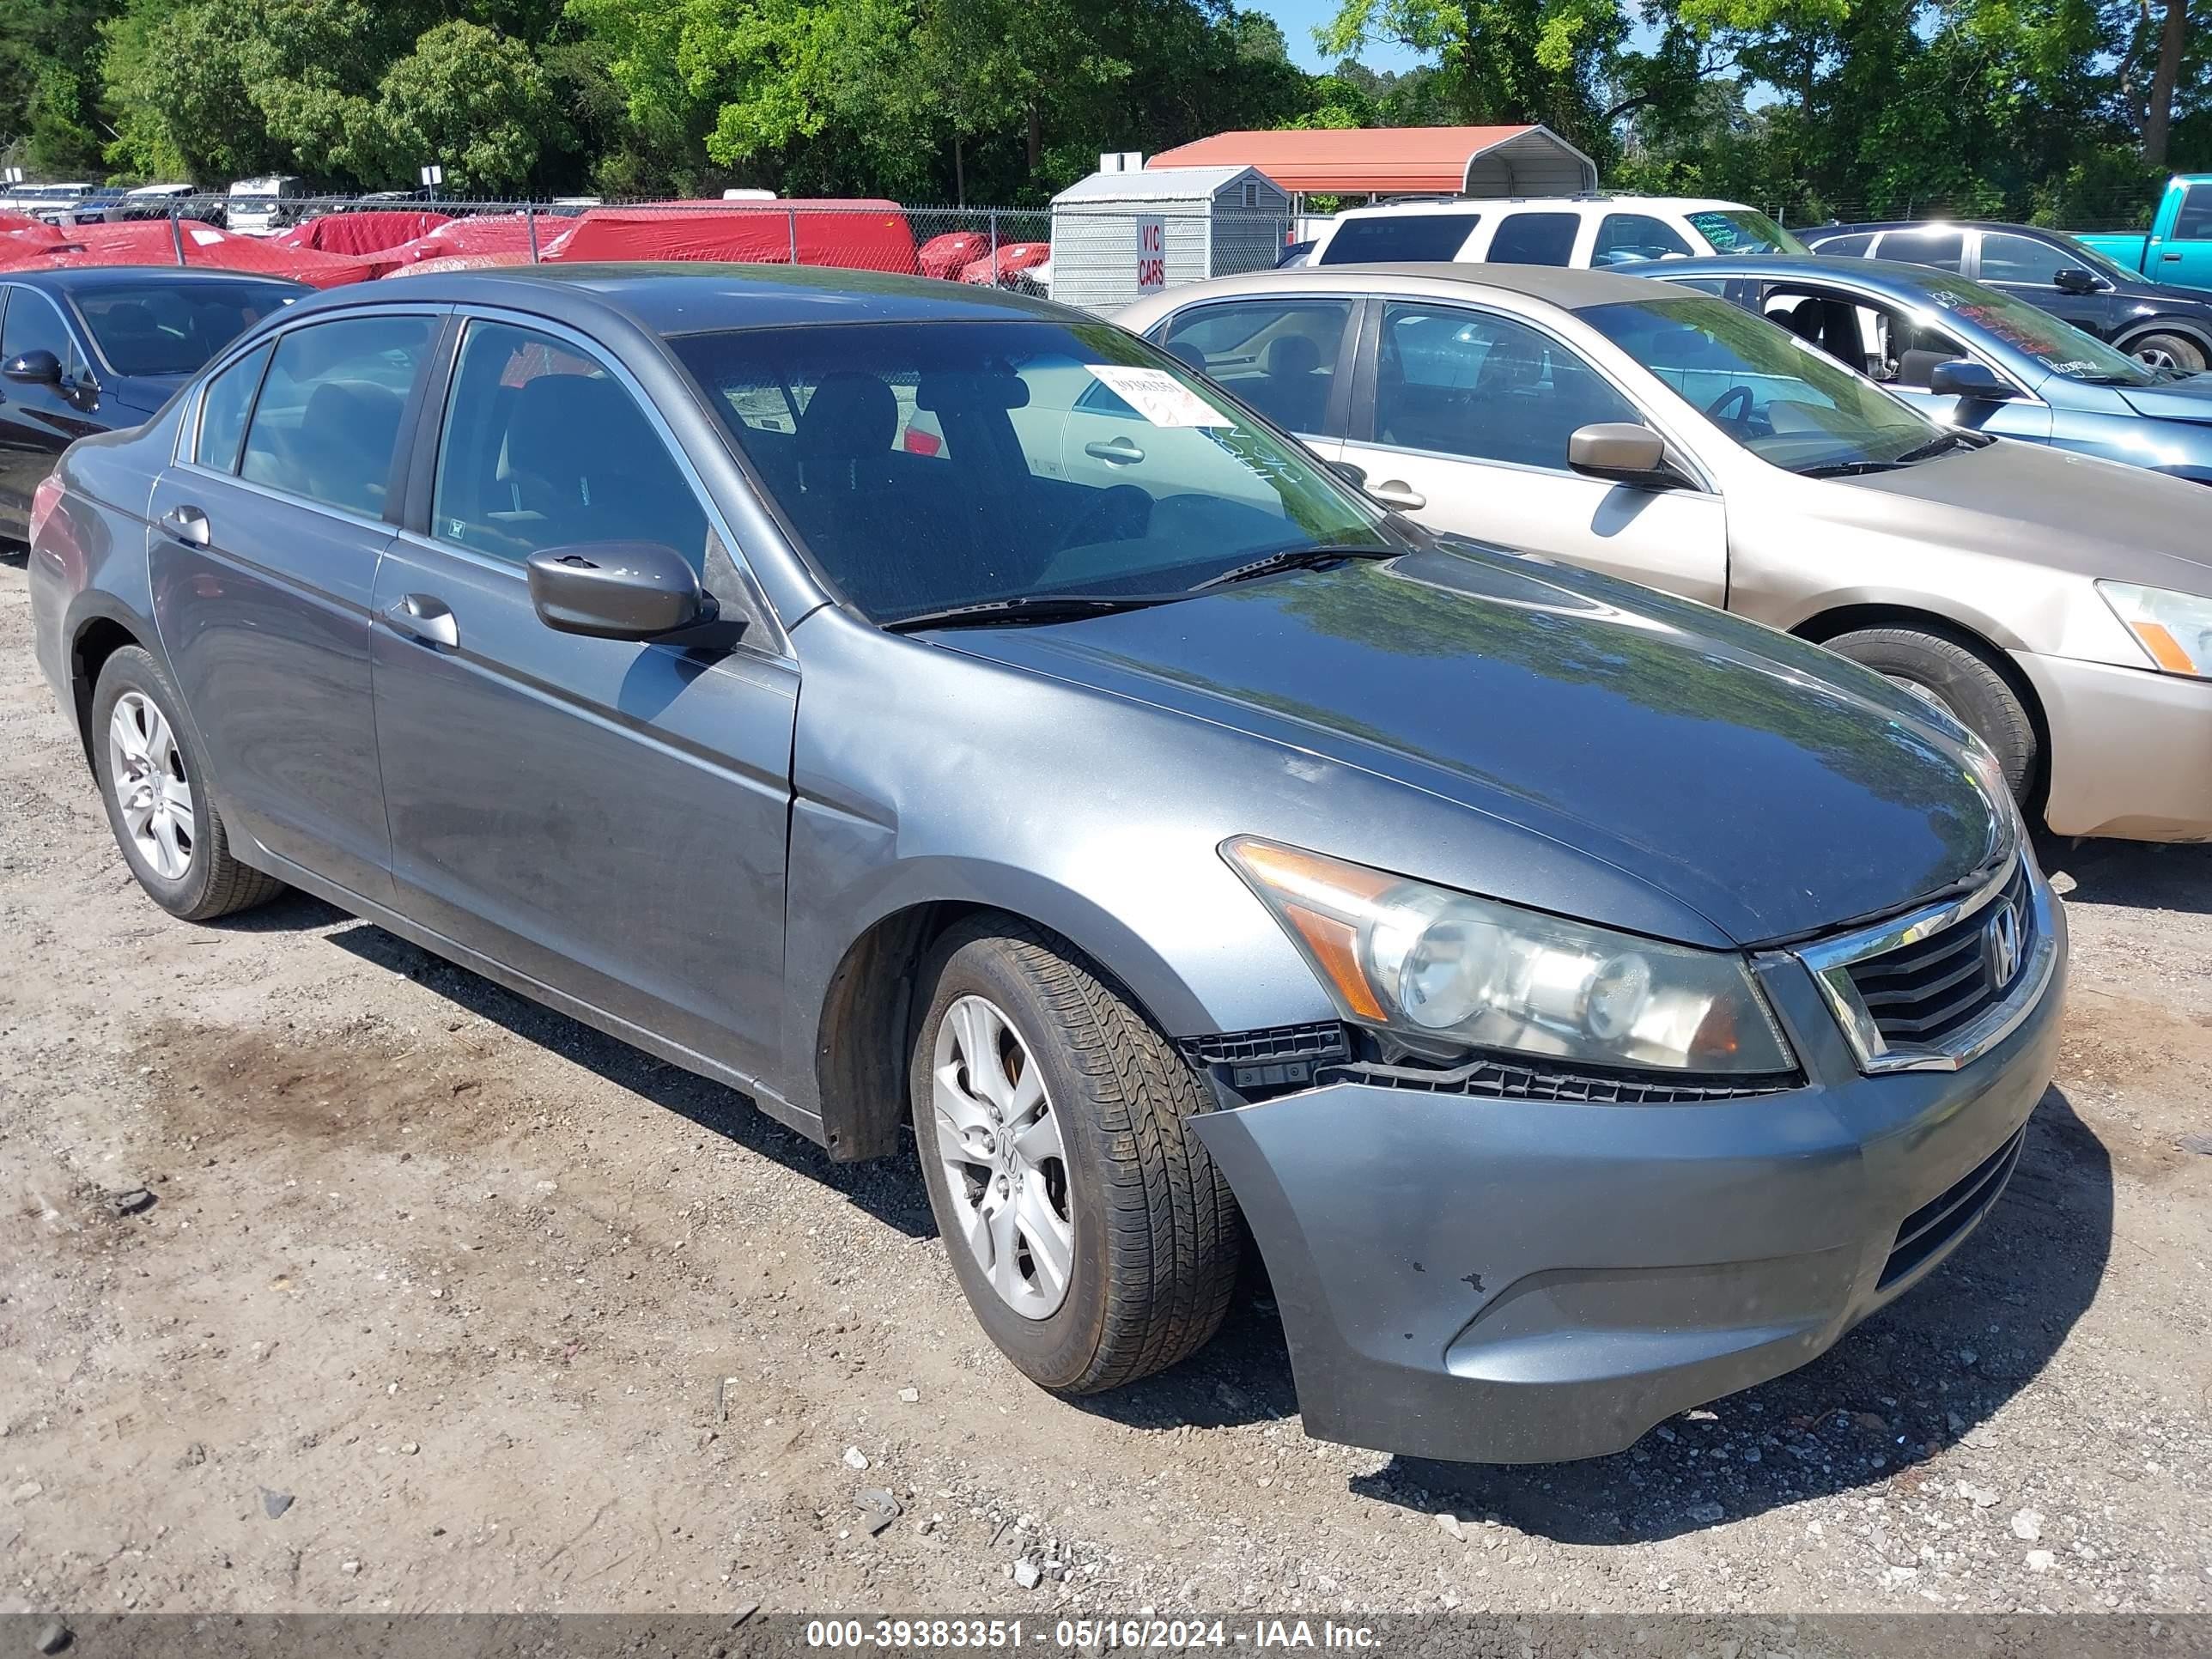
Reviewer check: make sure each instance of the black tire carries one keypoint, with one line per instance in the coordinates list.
(1157, 1236)
(1963, 681)
(213, 883)
(2187, 354)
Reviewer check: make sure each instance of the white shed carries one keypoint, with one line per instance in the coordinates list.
(1116, 234)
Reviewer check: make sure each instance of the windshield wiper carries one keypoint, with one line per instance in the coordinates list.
(1849, 468)
(1294, 558)
(1936, 445)
(1026, 608)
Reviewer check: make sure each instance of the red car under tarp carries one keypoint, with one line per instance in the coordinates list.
(489, 232)
(160, 242)
(855, 234)
(361, 233)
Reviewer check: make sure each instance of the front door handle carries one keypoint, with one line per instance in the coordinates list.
(1116, 451)
(188, 525)
(2176, 257)
(1397, 493)
(419, 617)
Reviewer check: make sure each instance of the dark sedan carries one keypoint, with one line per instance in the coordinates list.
(1595, 1002)
(89, 350)
(2163, 324)
(1973, 357)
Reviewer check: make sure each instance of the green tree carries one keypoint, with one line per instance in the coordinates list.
(476, 102)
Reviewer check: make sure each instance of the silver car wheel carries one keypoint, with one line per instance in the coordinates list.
(147, 770)
(1005, 1166)
(2156, 357)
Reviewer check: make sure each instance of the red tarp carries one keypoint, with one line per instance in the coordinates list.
(947, 256)
(858, 234)
(156, 242)
(360, 233)
(490, 232)
(23, 222)
(459, 262)
(1013, 256)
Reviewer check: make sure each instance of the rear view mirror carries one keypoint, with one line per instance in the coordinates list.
(618, 590)
(1622, 452)
(2073, 280)
(36, 368)
(1974, 382)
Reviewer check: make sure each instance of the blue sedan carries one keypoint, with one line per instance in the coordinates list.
(1973, 356)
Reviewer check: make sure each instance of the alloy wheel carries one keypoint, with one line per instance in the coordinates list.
(1005, 1165)
(2151, 356)
(152, 792)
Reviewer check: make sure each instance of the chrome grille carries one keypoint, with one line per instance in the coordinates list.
(1922, 993)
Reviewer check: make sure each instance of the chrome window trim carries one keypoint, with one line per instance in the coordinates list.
(1830, 961)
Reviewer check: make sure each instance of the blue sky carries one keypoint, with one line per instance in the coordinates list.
(1299, 18)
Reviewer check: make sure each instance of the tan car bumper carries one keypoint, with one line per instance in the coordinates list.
(2131, 750)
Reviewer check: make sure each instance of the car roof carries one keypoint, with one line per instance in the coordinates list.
(1598, 202)
(64, 280)
(1893, 276)
(1868, 227)
(690, 297)
(1568, 287)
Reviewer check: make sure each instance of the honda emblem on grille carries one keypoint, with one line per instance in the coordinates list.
(2001, 945)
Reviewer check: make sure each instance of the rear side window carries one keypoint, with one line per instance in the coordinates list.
(1534, 238)
(1628, 238)
(327, 422)
(544, 447)
(224, 409)
(1398, 237)
(1944, 250)
(1852, 246)
(1279, 356)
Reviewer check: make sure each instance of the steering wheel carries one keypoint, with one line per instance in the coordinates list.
(1122, 512)
(1739, 395)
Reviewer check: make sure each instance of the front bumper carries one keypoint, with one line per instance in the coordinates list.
(1519, 1281)
(2131, 750)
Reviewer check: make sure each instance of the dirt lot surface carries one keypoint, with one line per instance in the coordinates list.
(442, 1301)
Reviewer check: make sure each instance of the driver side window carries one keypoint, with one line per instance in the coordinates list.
(1881, 341)
(1487, 388)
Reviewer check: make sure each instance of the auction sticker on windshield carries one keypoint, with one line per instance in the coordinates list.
(1158, 396)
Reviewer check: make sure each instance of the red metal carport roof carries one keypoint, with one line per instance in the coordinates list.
(1521, 161)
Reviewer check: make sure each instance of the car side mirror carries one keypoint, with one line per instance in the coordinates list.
(1974, 382)
(2073, 280)
(1622, 452)
(624, 591)
(35, 367)
(1352, 474)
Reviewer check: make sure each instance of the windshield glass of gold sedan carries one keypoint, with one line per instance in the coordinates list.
(1785, 401)
(928, 465)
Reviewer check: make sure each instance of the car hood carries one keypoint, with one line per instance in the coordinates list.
(2040, 506)
(144, 394)
(2180, 400)
(1762, 783)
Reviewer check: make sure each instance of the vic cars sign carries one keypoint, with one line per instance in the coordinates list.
(1151, 254)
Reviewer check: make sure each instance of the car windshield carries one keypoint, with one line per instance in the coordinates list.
(1743, 230)
(174, 328)
(1786, 401)
(931, 465)
(2058, 346)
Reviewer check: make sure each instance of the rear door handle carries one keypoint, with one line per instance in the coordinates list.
(188, 525)
(2174, 257)
(1116, 452)
(421, 617)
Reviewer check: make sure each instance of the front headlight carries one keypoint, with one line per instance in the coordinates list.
(1447, 970)
(2176, 628)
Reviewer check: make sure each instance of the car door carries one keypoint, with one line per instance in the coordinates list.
(2028, 268)
(1461, 418)
(604, 817)
(266, 532)
(39, 416)
(2184, 254)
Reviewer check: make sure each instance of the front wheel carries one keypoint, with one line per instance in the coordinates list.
(1960, 682)
(1092, 1235)
(2164, 350)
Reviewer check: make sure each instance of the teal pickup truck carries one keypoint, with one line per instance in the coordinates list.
(2178, 248)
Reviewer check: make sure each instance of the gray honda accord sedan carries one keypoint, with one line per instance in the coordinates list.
(1592, 1002)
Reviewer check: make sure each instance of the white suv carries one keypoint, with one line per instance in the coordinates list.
(1591, 232)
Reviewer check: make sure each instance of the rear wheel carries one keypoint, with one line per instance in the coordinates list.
(153, 782)
(2164, 350)
(1091, 1234)
(1959, 680)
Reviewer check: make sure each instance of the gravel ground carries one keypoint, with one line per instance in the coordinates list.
(441, 1301)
